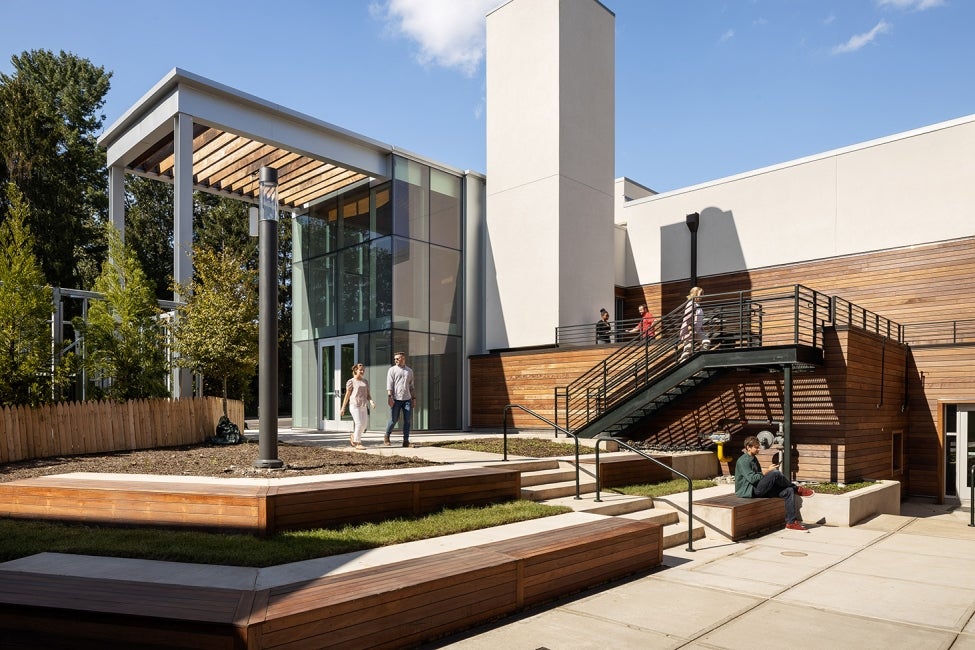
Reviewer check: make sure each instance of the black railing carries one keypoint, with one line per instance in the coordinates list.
(938, 333)
(844, 312)
(690, 483)
(791, 315)
(615, 331)
(504, 456)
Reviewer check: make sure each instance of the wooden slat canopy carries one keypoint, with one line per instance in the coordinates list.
(226, 163)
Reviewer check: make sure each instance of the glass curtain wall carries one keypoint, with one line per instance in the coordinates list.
(384, 263)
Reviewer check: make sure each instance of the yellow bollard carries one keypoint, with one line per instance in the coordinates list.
(719, 438)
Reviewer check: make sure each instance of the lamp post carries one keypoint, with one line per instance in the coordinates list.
(268, 321)
(693, 220)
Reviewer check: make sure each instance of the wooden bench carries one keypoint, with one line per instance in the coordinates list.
(260, 507)
(739, 517)
(630, 469)
(393, 605)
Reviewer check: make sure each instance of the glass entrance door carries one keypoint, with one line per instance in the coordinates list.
(335, 359)
(964, 445)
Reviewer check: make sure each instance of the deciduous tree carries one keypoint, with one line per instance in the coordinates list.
(123, 338)
(215, 333)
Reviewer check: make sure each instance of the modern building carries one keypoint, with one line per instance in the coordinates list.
(473, 275)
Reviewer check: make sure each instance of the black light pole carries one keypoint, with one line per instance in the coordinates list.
(693, 220)
(268, 322)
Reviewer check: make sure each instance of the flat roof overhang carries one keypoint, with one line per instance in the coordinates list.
(234, 135)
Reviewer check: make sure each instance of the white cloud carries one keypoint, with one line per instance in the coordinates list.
(860, 40)
(727, 36)
(916, 5)
(448, 33)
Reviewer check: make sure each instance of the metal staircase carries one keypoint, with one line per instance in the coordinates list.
(749, 329)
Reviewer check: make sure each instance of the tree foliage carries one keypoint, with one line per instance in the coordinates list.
(49, 122)
(25, 311)
(215, 333)
(149, 230)
(123, 338)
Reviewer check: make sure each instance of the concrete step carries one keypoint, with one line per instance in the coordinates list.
(545, 491)
(555, 475)
(609, 504)
(676, 534)
(526, 464)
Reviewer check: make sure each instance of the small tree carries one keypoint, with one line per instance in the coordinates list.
(123, 339)
(25, 311)
(215, 333)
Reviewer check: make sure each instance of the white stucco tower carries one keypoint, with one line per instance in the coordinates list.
(550, 168)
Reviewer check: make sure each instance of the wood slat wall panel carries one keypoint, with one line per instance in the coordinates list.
(843, 414)
(528, 379)
(932, 282)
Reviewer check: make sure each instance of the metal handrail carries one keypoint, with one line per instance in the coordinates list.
(620, 331)
(508, 407)
(940, 333)
(690, 483)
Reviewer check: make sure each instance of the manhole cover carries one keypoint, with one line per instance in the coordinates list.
(794, 554)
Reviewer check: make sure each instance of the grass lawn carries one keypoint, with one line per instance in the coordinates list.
(21, 538)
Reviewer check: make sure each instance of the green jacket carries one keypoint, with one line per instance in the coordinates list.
(748, 472)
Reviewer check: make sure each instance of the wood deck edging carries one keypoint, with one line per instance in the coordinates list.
(259, 507)
(390, 605)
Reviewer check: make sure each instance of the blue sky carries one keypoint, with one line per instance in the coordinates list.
(704, 88)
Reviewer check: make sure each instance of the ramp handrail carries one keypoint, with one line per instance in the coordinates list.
(504, 416)
(690, 483)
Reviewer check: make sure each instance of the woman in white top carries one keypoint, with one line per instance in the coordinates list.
(692, 326)
(357, 397)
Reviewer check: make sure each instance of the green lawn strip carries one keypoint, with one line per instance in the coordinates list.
(837, 488)
(663, 489)
(21, 538)
(530, 447)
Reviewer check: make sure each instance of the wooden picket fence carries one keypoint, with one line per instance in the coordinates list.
(72, 428)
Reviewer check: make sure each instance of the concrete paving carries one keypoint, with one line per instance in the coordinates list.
(904, 581)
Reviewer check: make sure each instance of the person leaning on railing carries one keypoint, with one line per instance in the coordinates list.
(603, 327)
(645, 327)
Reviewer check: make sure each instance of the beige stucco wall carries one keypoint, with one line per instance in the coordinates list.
(910, 188)
(550, 156)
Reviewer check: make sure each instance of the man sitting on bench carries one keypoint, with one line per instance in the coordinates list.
(751, 482)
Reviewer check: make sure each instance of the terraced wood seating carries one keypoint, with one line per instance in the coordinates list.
(394, 605)
(739, 517)
(630, 469)
(257, 506)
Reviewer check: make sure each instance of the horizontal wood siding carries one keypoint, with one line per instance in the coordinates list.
(938, 376)
(931, 282)
(908, 285)
(527, 378)
(843, 421)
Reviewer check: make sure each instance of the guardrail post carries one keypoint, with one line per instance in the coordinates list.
(795, 316)
(555, 410)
